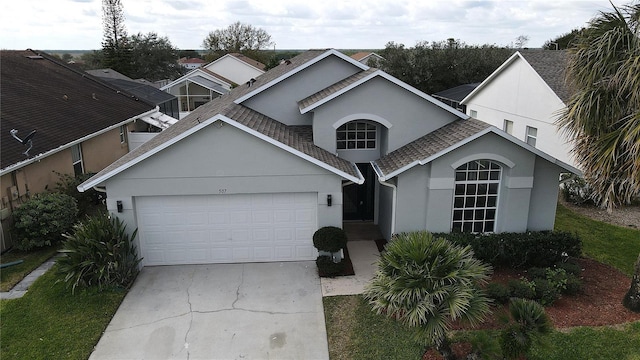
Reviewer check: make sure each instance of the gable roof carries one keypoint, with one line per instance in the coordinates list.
(202, 77)
(443, 141)
(255, 63)
(359, 56)
(550, 65)
(291, 67)
(224, 108)
(191, 61)
(325, 95)
(63, 103)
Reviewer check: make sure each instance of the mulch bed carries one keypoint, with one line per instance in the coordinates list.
(599, 304)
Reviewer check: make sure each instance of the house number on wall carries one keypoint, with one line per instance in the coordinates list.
(222, 191)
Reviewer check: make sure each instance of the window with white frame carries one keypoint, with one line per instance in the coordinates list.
(76, 159)
(474, 114)
(123, 134)
(532, 136)
(356, 135)
(508, 126)
(475, 199)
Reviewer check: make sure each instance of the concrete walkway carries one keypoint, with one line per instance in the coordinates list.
(21, 288)
(363, 253)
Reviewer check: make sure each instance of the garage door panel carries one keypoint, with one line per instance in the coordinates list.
(227, 228)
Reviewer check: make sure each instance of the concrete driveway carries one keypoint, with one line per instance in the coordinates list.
(221, 311)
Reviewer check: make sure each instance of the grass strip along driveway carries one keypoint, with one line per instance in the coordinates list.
(51, 323)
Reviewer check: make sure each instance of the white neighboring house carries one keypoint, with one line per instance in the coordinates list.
(524, 97)
(237, 68)
(191, 63)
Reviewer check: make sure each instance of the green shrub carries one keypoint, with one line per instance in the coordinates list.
(546, 291)
(520, 250)
(570, 266)
(522, 288)
(99, 253)
(537, 273)
(575, 190)
(498, 292)
(330, 238)
(87, 201)
(574, 285)
(328, 268)
(42, 219)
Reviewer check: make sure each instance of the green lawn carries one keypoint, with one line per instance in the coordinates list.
(12, 275)
(609, 244)
(51, 323)
(355, 332)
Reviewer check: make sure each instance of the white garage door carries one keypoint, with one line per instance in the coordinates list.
(226, 228)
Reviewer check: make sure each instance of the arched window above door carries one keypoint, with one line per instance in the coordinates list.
(357, 134)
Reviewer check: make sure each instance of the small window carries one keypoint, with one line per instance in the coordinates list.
(76, 159)
(356, 135)
(123, 134)
(474, 114)
(508, 127)
(532, 136)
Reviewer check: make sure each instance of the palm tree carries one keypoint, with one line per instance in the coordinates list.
(603, 115)
(428, 283)
(529, 322)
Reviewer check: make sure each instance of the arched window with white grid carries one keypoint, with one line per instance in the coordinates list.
(475, 199)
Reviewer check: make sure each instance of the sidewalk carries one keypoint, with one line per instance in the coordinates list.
(21, 288)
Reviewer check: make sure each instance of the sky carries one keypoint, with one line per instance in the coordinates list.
(299, 24)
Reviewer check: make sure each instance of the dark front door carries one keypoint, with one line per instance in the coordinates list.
(358, 200)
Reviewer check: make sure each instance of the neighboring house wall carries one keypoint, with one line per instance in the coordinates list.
(234, 69)
(520, 95)
(223, 160)
(100, 151)
(280, 101)
(410, 116)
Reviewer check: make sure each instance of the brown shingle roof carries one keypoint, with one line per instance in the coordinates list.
(249, 60)
(551, 65)
(430, 144)
(63, 103)
(291, 136)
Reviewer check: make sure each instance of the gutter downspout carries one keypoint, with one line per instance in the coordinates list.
(393, 203)
(394, 188)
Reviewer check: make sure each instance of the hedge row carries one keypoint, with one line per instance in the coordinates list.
(520, 250)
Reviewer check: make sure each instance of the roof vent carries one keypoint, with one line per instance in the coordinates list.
(250, 82)
(35, 57)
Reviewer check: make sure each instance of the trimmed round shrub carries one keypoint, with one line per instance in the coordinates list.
(571, 267)
(99, 253)
(328, 268)
(330, 238)
(498, 292)
(43, 219)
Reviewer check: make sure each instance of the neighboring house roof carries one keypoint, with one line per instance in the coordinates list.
(255, 63)
(202, 77)
(550, 65)
(191, 61)
(444, 140)
(457, 93)
(108, 74)
(325, 95)
(64, 104)
(363, 55)
(294, 139)
(142, 91)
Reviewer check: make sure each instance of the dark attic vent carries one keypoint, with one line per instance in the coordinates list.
(35, 57)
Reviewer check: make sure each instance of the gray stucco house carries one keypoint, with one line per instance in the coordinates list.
(315, 141)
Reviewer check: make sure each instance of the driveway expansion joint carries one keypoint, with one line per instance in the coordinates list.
(186, 335)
